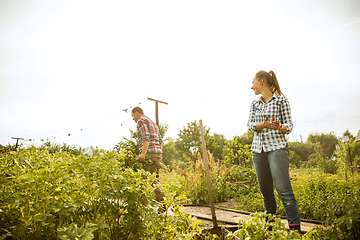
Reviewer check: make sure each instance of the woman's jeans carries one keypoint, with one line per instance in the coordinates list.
(273, 167)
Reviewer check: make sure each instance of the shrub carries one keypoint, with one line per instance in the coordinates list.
(227, 182)
(52, 196)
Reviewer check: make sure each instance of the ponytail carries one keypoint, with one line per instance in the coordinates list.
(271, 80)
(274, 83)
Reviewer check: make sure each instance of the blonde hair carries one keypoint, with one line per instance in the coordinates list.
(271, 80)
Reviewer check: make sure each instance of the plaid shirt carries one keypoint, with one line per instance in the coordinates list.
(268, 139)
(147, 130)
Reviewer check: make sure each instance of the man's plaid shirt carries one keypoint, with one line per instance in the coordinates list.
(147, 130)
(268, 139)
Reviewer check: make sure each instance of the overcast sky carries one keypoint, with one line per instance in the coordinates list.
(71, 67)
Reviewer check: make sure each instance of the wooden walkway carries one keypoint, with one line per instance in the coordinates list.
(233, 217)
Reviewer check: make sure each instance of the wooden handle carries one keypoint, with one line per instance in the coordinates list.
(208, 175)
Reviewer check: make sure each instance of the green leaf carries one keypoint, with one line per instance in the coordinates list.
(40, 218)
(2, 237)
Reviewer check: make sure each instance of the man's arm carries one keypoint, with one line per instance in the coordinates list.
(144, 151)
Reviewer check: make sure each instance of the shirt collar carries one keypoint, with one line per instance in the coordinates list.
(274, 96)
(142, 116)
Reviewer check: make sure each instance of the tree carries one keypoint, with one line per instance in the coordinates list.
(247, 138)
(319, 159)
(328, 142)
(170, 154)
(347, 150)
(353, 148)
(301, 152)
(219, 146)
(189, 142)
(163, 128)
(347, 133)
(343, 157)
(237, 153)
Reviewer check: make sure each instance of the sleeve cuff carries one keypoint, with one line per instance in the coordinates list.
(251, 127)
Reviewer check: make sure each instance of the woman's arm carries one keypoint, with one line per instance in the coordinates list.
(287, 125)
(251, 121)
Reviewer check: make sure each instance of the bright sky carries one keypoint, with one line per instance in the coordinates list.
(72, 65)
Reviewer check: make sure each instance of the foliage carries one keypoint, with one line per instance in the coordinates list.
(301, 152)
(251, 202)
(345, 152)
(189, 142)
(328, 142)
(318, 159)
(56, 147)
(227, 182)
(219, 147)
(345, 227)
(247, 138)
(129, 144)
(51, 196)
(8, 148)
(237, 153)
(322, 198)
(348, 134)
(169, 155)
(264, 226)
(53, 192)
(163, 128)
(331, 197)
(242, 181)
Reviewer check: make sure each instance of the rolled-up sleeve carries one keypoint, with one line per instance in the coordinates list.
(286, 115)
(251, 124)
(145, 136)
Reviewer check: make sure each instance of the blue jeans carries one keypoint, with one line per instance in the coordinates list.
(273, 168)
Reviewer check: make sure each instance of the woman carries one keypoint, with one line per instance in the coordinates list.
(270, 119)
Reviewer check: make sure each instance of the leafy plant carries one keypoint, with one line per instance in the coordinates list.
(59, 195)
(325, 199)
(227, 182)
(237, 153)
(263, 226)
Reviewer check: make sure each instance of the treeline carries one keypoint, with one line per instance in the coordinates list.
(325, 151)
(177, 151)
(321, 150)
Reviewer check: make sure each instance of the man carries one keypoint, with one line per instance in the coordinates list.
(150, 141)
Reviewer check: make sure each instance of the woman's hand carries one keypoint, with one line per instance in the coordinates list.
(267, 124)
(279, 126)
(271, 125)
(276, 123)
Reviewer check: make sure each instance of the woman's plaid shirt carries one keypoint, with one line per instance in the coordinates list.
(147, 130)
(268, 139)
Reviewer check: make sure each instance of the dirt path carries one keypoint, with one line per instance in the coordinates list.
(226, 216)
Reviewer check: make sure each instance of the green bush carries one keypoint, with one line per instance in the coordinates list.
(226, 182)
(62, 196)
(326, 199)
(264, 226)
(242, 181)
